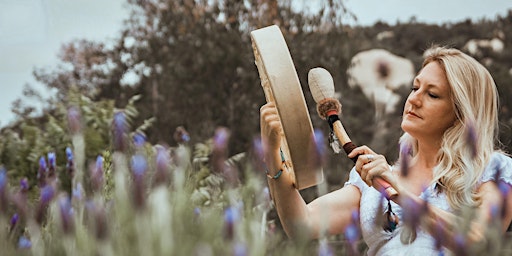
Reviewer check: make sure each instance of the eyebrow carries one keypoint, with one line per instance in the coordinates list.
(416, 79)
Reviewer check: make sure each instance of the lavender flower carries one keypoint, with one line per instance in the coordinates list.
(181, 135)
(98, 218)
(24, 243)
(439, 237)
(139, 139)
(324, 249)
(41, 172)
(405, 152)
(460, 245)
(353, 233)
(505, 191)
(19, 199)
(24, 186)
(119, 130)
(97, 177)
(220, 149)
(77, 192)
(52, 165)
(66, 215)
(47, 193)
(74, 120)
(162, 160)
(4, 197)
(219, 156)
(239, 249)
(318, 150)
(231, 217)
(14, 221)
(257, 154)
(70, 164)
(471, 138)
(139, 167)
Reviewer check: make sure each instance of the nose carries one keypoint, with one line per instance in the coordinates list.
(414, 98)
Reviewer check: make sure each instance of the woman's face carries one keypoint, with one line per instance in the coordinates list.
(429, 110)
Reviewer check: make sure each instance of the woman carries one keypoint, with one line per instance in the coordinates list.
(452, 95)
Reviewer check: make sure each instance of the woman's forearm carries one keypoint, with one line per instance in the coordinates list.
(290, 205)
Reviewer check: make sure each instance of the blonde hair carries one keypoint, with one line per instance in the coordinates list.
(462, 156)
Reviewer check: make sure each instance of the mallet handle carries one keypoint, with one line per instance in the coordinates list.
(379, 183)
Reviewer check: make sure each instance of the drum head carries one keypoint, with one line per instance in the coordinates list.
(282, 86)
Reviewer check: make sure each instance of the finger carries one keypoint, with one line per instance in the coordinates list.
(361, 150)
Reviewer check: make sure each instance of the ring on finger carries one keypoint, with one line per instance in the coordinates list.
(369, 157)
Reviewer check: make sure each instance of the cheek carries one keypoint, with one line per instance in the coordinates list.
(446, 119)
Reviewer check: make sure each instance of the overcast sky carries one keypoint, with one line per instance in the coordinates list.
(32, 31)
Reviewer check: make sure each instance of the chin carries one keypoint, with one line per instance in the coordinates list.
(409, 128)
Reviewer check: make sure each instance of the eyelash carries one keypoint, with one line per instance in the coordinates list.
(434, 96)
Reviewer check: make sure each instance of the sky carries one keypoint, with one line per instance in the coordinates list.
(32, 31)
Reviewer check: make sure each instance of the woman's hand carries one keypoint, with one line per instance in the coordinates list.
(370, 165)
(271, 133)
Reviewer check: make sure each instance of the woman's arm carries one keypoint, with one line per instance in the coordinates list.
(330, 213)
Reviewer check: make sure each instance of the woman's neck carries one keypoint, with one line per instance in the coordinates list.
(427, 156)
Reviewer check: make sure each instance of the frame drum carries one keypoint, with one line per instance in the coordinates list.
(282, 86)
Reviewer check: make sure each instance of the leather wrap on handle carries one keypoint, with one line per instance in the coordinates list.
(348, 146)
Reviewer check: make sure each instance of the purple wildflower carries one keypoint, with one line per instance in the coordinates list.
(70, 165)
(505, 191)
(47, 193)
(162, 160)
(74, 120)
(19, 199)
(4, 197)
(52, 165)
(324, 249)
(139, 167)
(439, 236)
(239, 249)
(139, 139)
(24, 243)
(460, 244)
(353, 233)
(98, 217)
(78, 191)
(66, 214)
(318, 150)
(411, 214)
(231, 217)
(181, 135)
(41, 172)
(24, 186)
(219, 155)
(471, 138)
(405, 151)
(119, 129)
(14, 221)
(97, 177)
(257, 155)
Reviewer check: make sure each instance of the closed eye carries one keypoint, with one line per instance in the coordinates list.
(434, 96)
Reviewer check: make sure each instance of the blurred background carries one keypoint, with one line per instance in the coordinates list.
(189, 65)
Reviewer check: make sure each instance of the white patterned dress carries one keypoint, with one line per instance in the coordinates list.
(381, 242)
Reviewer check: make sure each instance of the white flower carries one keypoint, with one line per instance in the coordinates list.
(379, 74)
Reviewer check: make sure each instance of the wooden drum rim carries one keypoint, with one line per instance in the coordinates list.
(282, 86)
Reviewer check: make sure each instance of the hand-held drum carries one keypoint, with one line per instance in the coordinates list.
(282, 86)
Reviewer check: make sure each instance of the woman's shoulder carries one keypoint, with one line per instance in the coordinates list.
(499, 167)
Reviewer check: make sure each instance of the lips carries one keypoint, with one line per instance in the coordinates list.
(411, 113)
